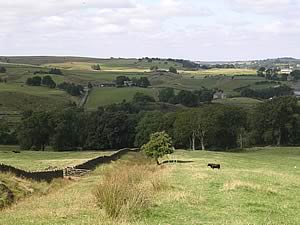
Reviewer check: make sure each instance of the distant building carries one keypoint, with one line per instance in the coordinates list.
(128, 83)
(286, 71)
(103, 85)
(219, 95)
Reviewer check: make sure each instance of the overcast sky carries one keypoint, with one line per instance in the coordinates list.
(191, 29)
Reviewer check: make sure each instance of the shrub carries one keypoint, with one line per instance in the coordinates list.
(127, 189)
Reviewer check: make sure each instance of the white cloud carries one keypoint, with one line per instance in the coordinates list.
(170, 28)
(263, 6)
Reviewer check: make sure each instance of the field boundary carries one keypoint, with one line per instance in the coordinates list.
(37, 176)
(53, 174)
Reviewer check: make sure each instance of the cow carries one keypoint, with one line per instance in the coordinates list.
(214, 166)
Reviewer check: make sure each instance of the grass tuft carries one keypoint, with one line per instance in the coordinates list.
(127, 189)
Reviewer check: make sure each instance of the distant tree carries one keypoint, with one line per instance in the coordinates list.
(142, 98)
(143, 82)
(261, 72)
(90, 85)
(55, 71)
(166, 94)
(149, 123)
(120, 80)
(2, 69)
(185, 130)
(204, 95)
(48, 81)
(7, 133)
(70, 88)
(66, 130)
(160, 144)
(273, 121)
(34, 130)
(172, 69)
(186, 98)
(296, 74)
(34, 81)
(154, 68)
(96, 67)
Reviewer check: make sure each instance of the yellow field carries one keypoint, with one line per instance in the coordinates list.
(215, 72)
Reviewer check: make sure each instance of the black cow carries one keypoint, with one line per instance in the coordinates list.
(214, 166)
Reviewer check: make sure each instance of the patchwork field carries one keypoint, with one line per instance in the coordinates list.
(38, 160)
(106, 96)
(226, 72)
(257, 186)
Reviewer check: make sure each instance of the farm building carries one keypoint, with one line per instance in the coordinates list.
(219, 95)
(286, 71)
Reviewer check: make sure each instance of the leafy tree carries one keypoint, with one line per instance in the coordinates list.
(34, 81)
(160, 144)
(204, 95)
(150, 123)
(186, 98)
(96, 67)
(142, 98)
(120, 80)
(72, 89)
(34, 130)
(55, 71)
(272, 121)
(261, 72)
(166, 94)
(48, 81)
(185, 130)
(7, 134)
(154, 68)
(172, 69)
(143, 82)
(2, 69)
(66, 130)
(296, 74)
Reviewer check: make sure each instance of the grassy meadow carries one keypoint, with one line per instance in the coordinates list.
(38, 160)
(107, 96)
(255, 186)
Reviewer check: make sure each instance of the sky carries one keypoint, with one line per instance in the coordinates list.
(189, 29)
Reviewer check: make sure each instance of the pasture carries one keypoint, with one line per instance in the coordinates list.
(255, 186)
(106, 96)
(38, 160)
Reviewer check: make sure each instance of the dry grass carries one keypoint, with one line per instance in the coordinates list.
(128, 188)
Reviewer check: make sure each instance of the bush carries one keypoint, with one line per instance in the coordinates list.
(127, 189)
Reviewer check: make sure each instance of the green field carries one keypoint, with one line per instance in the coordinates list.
(257, 186)
(106, 96)
(33, 160)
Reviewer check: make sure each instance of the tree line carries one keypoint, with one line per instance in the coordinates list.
(39, 81)
(266, 93)
(209, 127)
(124, 81)
(186, 98)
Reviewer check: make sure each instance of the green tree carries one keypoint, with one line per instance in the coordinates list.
(35, 130)
(142, 98)
(185, 130)
(2, 69)
(150, 123)
(172, 69)
(166, 94)
(48, 81)
(160, 144)
(272, 121)
(261, 72)
(96, 67)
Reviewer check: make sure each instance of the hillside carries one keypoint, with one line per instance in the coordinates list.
(256, 186)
